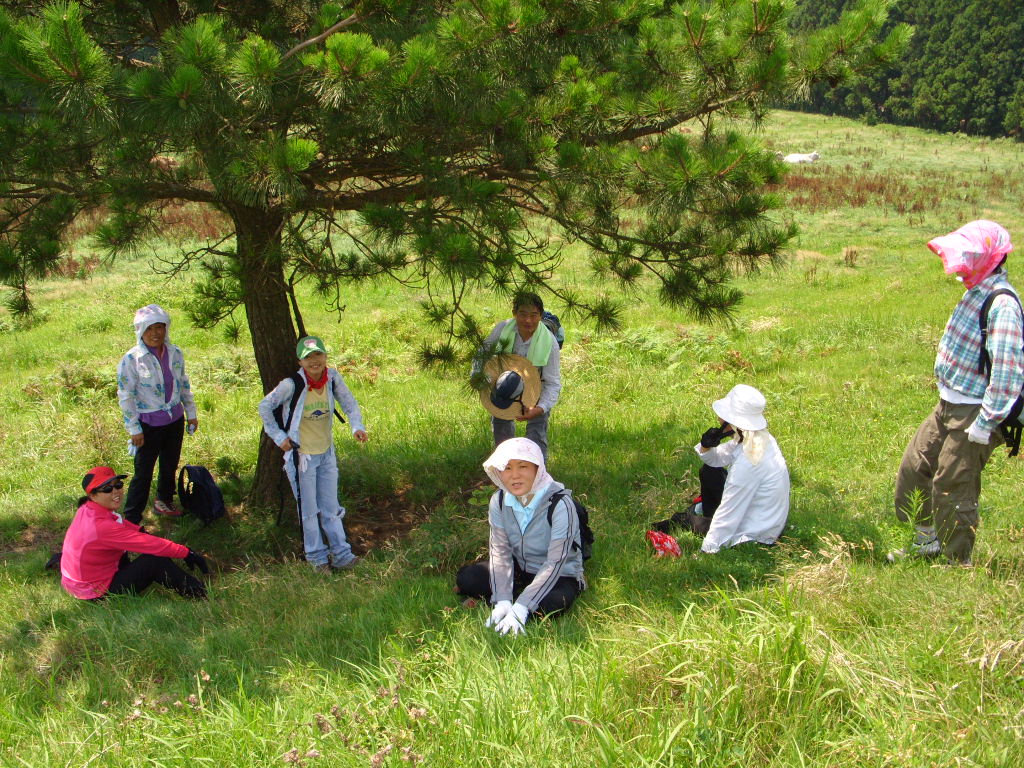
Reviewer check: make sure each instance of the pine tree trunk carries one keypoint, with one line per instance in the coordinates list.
(258, 234)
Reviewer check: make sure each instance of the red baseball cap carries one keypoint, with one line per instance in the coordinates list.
(98, 476)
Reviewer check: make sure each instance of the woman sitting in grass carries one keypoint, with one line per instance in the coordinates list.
(535, 556)
(755, 496)
(95, 563)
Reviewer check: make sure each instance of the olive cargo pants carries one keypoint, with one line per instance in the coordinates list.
(946, 467)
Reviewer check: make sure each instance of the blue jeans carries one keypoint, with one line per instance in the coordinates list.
(320, 509)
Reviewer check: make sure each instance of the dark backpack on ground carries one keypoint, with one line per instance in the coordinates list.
(586, 545)
(199, 494)
(550, 319)
(1012, 426)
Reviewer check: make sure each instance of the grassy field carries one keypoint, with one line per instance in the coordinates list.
(814, 652)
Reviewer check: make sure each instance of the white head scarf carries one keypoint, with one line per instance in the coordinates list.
(149, 315)
(517, 448)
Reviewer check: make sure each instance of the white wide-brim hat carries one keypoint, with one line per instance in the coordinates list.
(743, 407)
(527, 371)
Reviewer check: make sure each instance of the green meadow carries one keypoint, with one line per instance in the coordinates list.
(815, 652)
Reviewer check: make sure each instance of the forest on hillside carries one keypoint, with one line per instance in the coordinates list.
(961, 71)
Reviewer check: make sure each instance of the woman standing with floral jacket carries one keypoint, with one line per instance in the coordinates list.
(155, 396)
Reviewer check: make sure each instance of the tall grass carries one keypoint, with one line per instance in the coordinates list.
(813, 652)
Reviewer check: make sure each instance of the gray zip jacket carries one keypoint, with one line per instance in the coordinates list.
(546, 550)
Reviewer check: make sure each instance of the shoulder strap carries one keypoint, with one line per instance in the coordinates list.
(556, 497)
(296, 394)
(501, 498)
(984, 361)
(181, 483)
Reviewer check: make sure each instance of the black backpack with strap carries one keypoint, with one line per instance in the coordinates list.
(586, 545)
(199, 494)
(1011, 426)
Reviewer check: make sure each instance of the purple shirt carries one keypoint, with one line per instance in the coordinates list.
(163, 418)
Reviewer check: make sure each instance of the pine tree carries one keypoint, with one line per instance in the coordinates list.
(459, 144)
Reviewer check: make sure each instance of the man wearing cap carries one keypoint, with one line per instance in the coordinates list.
(94, 560)
(525, 335)
(155, 396)
(939, 479)
(297, 415)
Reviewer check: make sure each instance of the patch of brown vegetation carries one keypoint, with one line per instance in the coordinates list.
(827, 188)
(382, 522)
(174, 219)
(32, 538)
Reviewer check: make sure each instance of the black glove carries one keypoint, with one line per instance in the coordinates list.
(712, 438)
(53, 564)
(194, 560)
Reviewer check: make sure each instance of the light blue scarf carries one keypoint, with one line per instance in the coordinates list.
(524, 514)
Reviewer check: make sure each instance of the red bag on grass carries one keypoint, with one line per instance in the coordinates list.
(663, 544)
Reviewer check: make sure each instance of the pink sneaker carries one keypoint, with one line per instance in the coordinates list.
(167, 508)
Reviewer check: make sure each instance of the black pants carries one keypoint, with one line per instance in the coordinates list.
(474, 580)
(712, 484)
(163, 443)
(135, 576)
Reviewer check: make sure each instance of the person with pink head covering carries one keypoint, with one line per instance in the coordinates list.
(979, 379)
(535, 555)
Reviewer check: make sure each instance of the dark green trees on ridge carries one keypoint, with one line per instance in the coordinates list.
(449, 145)
(962, 70)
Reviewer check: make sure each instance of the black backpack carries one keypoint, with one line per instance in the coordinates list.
(550, 319)
(199, 494)
(1011, 426)
(586, 545)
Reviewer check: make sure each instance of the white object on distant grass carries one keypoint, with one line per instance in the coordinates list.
(796, 158)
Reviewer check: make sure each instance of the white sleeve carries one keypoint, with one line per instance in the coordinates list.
(719, 456)
(551, 384)
(344, 397)
(282, 393)
(127, 380)
(185, 392)
(499, 554)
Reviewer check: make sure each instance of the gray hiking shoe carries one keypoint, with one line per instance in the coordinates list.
(924, 546)
(323, 569)
(347, 566)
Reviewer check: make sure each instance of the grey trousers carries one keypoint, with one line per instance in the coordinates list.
(536, 430)
(944, 467)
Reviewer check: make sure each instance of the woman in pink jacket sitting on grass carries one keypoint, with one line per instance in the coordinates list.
(94, 560)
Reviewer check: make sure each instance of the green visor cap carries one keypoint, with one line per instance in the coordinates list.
(308, 345)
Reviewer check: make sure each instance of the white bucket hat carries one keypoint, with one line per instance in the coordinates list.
(743, 407)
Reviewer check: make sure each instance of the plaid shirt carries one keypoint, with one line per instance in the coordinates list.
(956, 365)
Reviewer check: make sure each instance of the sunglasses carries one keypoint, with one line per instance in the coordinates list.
(110, 487)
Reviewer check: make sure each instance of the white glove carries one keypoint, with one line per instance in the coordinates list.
(514, 621)
(978, 435)
(501, 610)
